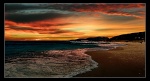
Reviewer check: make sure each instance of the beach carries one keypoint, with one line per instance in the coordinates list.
(111, 59)
(124, 61)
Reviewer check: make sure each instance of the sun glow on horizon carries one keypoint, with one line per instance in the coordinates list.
(69, 21)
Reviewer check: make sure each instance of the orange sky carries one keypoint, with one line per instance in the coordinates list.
(26, 22)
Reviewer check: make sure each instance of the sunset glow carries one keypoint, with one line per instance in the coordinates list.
(60, 21)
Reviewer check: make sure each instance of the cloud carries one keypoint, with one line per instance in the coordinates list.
(58, 37)
(112, 29)
(56, 31)
(16, 7)
(116, 18)
(60, 24)
(21, 28)
(67, 10)
(110, 9)
(105, 7)
(60, 20)
(38, 27)
(25, 18)
(39, 24)
(59, 31)
(11, 23)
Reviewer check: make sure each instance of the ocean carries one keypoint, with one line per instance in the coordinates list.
(52, 59)
(13, 48)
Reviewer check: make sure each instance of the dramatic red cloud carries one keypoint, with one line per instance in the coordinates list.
(40, 30)
(111, 9)
(65, 22)
(45, 25)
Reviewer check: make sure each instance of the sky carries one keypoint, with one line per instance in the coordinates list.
(69, 21)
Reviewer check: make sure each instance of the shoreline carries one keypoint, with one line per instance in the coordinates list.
(126, 61)
(99, 62)
(53, 63)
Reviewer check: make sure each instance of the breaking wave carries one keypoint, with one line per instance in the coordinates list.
(53, 63)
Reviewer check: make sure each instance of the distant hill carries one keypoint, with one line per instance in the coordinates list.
(130, 36)
(94, 39)
(127, 37)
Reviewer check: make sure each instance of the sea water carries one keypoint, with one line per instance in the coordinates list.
(19, 47)
(50, 59)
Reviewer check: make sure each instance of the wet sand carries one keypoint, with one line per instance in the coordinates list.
(126, 61)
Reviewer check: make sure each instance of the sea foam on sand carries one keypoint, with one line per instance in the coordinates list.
(53, 63)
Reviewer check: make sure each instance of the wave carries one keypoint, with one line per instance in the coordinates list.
(53, 63)
(110, 45)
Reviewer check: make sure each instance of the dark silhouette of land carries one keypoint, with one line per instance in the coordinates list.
(130, 37)
(126, 37)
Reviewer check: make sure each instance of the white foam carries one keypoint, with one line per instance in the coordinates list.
(55, 63)
(113, 45)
